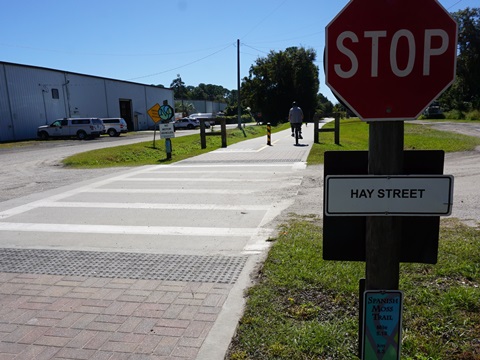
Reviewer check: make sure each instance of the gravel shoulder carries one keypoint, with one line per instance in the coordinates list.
(464, 166)
(38, 167)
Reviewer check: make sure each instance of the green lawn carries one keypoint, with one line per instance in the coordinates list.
(306, 308)
(146, 153)
(354, 136)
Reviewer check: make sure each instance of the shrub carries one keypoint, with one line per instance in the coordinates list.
(432, 116)
(473, 115)
(455, 115)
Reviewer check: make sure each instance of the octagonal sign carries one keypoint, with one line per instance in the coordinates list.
(389, 59)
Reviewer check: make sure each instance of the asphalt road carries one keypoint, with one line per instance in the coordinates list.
(465, 167)
(36, 167)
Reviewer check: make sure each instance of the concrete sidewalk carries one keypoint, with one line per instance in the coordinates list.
(282, 149)
(151, 281)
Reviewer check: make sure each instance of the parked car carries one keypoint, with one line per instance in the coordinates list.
(81, 128)
(209, 118)
(207, 122)
(186, 123)
(434, 111)
(115, 126)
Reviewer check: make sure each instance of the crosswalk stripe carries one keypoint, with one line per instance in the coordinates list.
(130, 230)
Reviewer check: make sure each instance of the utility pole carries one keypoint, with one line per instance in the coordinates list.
(238, 86)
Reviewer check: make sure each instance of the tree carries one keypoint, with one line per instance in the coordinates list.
(178, 87)
(324, 106)
(464, 94)
(210, 92)
(185, 107)
(279, 79)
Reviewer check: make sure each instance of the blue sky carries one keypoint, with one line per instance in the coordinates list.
(151, 41)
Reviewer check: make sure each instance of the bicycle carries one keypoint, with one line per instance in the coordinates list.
(297, 131)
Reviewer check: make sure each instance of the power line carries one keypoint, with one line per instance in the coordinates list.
(459, 1)
(264, 18)
(251, 47)
(181, 66)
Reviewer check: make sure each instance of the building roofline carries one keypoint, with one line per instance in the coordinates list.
(76, 73)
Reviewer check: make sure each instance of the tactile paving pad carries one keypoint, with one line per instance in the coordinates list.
(192, 268)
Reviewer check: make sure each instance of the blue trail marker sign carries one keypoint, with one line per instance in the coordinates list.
(382, 325)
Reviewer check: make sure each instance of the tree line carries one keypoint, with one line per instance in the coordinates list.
(280, 78)
(464, 94)
(267, 93)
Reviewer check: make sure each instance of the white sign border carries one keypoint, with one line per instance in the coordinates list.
(327, 198)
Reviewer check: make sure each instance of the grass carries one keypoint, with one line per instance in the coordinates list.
(354, 136)
(146, 154)
(306, 308)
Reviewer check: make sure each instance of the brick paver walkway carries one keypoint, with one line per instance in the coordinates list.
(66, 317)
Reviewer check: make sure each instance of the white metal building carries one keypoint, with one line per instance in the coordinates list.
(32, 96)
(206, 106)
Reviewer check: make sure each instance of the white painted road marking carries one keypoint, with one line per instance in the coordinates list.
(120, 229)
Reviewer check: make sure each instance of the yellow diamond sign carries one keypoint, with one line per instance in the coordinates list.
(153, 112)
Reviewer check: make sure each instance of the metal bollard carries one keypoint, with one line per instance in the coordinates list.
(168, 148)
(269, 134)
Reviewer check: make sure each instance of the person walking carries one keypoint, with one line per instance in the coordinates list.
(295, 116)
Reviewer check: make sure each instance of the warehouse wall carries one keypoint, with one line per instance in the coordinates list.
(32, 96)
(86, 96)
(6, 125)
(28, 93)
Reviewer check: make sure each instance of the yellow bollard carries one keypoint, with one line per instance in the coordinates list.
(269, 134)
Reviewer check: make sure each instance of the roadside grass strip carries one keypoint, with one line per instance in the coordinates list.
(303, 307)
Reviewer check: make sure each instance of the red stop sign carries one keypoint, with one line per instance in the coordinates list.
(389, 59)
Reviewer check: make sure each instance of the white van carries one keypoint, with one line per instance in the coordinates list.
(115, 126)
(209, 116)
(81, 128)
(202, 116)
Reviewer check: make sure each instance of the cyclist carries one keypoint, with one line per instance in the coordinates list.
(295, 116)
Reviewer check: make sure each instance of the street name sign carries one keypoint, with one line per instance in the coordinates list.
(389, 59)
(394, 195)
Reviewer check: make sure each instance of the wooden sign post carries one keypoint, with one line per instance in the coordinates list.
(383, 234)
